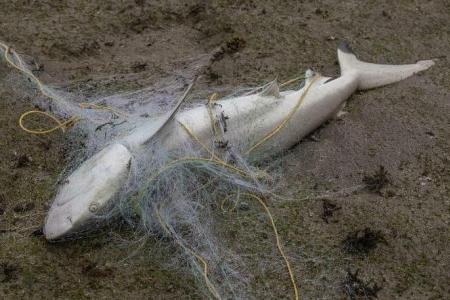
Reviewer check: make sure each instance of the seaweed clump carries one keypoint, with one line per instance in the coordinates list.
(234, 45)
(8, 272)
(355, 288)
(363, 241)
(2, 204)
(376, 182)
(328, 210)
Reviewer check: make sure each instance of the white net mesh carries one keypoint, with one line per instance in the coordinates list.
(170, 193)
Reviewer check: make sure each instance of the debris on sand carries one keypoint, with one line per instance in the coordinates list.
(23, 207)
(89, 268)
(234, 45)
(38, 232)
(328, 209)
(377, 181)
(230, 47)
(355, 288)
(363, 241)
(23, 161)
(2, 204)
(8, 272)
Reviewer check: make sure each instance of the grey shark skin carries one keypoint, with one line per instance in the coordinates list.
(99, 179)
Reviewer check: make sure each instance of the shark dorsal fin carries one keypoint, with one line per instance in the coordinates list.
(272, 89)
(170, 114)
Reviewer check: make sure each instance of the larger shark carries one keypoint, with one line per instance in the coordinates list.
(248, 119)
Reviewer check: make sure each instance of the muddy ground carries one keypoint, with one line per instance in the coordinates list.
(389, 239)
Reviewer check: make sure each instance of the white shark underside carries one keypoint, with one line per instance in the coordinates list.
(94, 184)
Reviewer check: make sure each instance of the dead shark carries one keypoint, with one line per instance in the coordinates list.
(99, 179)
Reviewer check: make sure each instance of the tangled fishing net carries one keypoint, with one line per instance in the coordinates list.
(178, 194)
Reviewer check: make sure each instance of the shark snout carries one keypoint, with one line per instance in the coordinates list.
(88, 191)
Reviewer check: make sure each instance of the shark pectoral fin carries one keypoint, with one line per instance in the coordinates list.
(272, 90)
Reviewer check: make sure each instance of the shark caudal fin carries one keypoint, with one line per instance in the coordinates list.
(374, 75)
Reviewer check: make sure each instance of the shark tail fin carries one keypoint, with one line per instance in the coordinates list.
(373, 75)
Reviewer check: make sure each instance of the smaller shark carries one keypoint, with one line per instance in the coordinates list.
(96, 182)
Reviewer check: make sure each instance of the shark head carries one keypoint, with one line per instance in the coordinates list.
(88, 190)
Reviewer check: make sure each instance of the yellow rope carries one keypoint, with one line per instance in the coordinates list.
(213, 159)
(24, 70)
(217, 160)
(258, 173)
(20, 66)
(194, 137)
(291, 81)
(280, 248)
(61, 125)
(210, 286)
(213, 156)
(222, 205)
(204, 186)
(115, 111)
(285, 120)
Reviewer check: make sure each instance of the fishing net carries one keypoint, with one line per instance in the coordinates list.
(178, 194)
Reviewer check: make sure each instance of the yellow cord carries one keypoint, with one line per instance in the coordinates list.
(204, 186)
(24, 70)
(20, 66)
(277, 237)
(115, 111)
(285, 120)
(61, 125)
(258, 173)
(238, 198)
(217, 160)
(210, 286)
(194, 137)
(291, 81)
